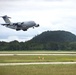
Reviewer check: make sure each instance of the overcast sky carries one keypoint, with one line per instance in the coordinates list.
(50, 14)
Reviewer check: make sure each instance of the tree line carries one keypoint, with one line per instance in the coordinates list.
(49, 40)
(19, 46)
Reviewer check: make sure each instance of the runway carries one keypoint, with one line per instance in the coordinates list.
(35, 63)
(35, 54)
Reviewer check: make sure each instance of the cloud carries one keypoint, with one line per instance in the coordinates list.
(50, 14)
(12, 38)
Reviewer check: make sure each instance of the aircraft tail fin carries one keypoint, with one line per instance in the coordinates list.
(6, 19)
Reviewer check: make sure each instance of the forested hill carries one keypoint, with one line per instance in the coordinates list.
(49, 40)
(55, 36)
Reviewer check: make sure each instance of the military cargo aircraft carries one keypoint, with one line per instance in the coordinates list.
(18, 25)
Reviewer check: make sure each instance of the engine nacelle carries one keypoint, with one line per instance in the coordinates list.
(19, 23)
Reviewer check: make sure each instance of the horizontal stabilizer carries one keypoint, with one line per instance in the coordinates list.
(5, 16)
(5, 24)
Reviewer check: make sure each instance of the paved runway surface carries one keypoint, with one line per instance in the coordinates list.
(34, 54)
(35, 63)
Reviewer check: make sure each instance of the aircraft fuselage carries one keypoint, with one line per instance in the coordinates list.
(19, 25)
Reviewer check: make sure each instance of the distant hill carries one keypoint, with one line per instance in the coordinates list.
(54, 36)
(49, 40)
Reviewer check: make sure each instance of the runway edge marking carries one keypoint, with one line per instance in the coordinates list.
(35, 63)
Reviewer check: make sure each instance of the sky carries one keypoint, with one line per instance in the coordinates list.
(52, 15)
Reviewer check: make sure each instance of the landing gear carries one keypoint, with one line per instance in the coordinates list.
(24, 29)
(18, 29)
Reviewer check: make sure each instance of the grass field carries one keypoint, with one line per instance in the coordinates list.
(38, 70)
(60, 69)
(37, 58)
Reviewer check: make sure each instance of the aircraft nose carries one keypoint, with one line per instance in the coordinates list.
(37, 25)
